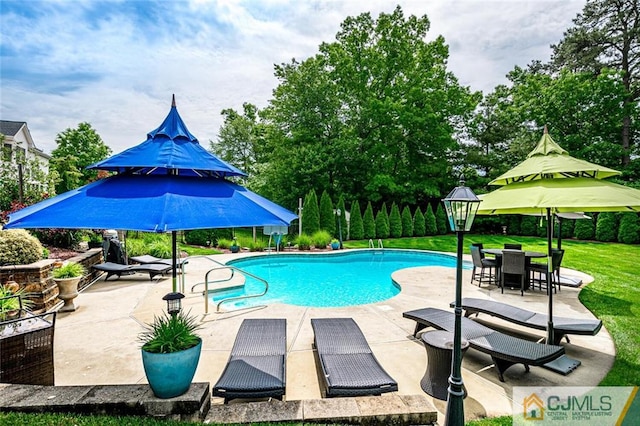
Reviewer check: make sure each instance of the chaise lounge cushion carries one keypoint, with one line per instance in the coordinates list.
(118, 269)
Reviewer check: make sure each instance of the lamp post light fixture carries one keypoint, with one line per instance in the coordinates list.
(339, 212)
(174, 302)
(461, 205)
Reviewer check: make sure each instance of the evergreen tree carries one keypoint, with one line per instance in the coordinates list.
(419, 223)
(567, 228)
(395, 222)
(541, 227)
(356, 225)
(629, 228)
(430, 226)
(341, 222)
(369, 223)
(529, 226)
(442, 223)
(584, 229)
(382, 222)
(327, 215)
(407, 223)
(310, 214)
(607, 227)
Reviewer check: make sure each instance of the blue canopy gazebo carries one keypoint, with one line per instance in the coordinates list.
(168, 183)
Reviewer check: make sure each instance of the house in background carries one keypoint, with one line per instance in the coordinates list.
(18, 146)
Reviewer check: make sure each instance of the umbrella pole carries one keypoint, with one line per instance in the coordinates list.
(548, 277)
(174, 250)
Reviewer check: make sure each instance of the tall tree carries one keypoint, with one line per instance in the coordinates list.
(356, 225)
(369, 222)
(77, 149)
(369, 107)
(607, 35)
(395, 222)
(327, 215)
(419, 223)
(240, 139)
(407, 222)
(310, 213)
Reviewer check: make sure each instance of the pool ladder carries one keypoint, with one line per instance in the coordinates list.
(380, 246)
(232, 270)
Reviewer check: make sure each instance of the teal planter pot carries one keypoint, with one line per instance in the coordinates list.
(170, 375)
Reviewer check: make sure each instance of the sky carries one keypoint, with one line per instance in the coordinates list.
(116, 63)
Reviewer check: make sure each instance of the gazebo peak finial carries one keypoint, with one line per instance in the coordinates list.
(546, 131)
(173, 101)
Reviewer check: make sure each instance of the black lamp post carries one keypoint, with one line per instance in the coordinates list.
(340, 226)
(461, 205)
(174, 302)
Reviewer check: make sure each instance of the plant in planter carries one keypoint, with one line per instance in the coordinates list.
(335, 244)
(95, 239)
(170, 353)
(235, 248)
(67, 278)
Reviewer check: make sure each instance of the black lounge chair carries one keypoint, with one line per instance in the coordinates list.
(505, 350)
(118, 269)
(256, 365)
(349, 368)
(561, 325)
(148, 259)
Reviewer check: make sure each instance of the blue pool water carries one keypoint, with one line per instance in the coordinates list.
(324, 280)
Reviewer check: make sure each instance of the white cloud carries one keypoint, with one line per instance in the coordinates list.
(117, 70)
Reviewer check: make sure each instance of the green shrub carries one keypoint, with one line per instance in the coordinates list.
(303, 241)
(629, 228)
(356, 226)
(407, 223)
(321, 239)
(529, 226)
(200, 237)
(135, 247)
(419, 228)
(224, 243)
(382, 223)
(430, 226)
(584, 229)
(513, 224)
(257, 245)
(18, 247)
(442, 223)
(395, 222)
(161, 249)
(62, 238)
(327, 215)
(607, 227)
(369, 223)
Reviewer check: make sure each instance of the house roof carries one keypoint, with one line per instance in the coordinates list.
(10, 128)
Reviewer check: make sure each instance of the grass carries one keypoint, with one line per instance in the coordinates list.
(614, 297)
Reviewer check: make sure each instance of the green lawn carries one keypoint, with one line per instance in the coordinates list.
(614, 297)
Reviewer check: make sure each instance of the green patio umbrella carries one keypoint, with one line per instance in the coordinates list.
(550, 181)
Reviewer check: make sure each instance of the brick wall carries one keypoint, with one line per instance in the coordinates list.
(36, 279)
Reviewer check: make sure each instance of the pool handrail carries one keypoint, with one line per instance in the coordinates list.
(199, 256)
(380, 245)
(229, 299)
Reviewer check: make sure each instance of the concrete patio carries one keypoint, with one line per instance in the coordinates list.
(97, 344)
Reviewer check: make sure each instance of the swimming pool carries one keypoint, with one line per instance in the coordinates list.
(328, 280)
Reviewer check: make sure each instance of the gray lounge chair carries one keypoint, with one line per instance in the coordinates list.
(148, 259)
(349, 367)
(256, 365)
(505, 350)
(118, 269)
(561, 325)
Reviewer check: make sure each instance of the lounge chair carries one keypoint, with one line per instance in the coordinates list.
(148, 259)
(505, 350)
(256, 365)
(561, 325)
(118, 269)
(349, 368)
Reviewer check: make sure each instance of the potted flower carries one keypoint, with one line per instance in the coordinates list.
(95, 240)
(170, 353)
(235, 248)
(335, 244)
(67, 278)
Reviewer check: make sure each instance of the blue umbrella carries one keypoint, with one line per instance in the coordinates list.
(166, 184)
